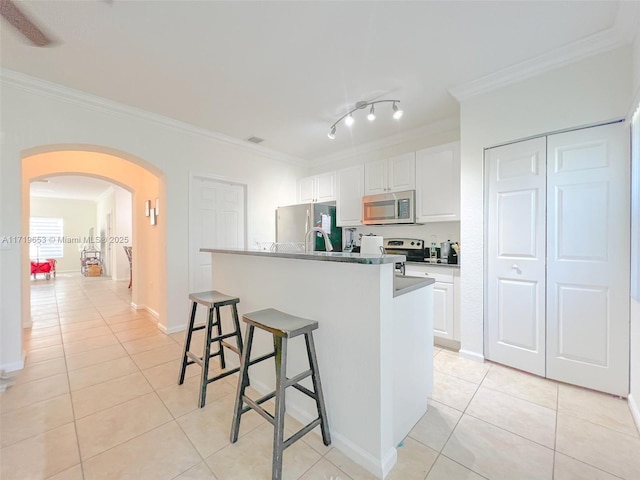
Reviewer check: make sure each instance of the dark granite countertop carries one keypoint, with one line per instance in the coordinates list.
(343, 257)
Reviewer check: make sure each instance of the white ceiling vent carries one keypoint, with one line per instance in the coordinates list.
(255, 139)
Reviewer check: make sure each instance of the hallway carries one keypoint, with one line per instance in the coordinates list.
(98, 399)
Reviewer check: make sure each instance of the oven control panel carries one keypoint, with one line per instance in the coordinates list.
(404, 243)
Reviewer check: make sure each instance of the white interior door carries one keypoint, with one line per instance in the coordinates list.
(217, 220)
(515, 319)
(588, 258)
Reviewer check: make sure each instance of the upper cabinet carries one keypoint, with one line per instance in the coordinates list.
(438, 183)
(317, 188)
(349, 191)
(390, 175)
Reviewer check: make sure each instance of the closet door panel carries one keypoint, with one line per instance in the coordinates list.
(515, 316)
(588, 258)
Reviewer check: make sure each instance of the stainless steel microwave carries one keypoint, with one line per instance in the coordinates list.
(389, 208)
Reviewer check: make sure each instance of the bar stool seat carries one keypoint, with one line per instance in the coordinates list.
(283, 327)
(212, 300)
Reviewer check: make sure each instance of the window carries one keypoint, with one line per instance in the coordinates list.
(45, 237)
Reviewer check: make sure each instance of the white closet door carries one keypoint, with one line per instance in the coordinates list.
(588, 258)
(516, 238)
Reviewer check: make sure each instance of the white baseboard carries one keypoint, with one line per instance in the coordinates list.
(169, 331)
(137, 307)
(12, 366)
(355, 453)
(471, 355)
(153, 313)
(446, 343)
(635, 410)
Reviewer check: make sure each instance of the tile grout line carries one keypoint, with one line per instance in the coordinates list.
(73, 411)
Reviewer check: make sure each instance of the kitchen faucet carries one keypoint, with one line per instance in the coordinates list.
(327, 243)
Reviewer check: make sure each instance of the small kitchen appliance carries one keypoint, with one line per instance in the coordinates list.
(371, 245)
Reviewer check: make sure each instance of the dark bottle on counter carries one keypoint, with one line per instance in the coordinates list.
(452, 259)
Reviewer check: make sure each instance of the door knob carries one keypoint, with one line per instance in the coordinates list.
(516, 268)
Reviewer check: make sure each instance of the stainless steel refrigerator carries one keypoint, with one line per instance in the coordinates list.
(294, 221)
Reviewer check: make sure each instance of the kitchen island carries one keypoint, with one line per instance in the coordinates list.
(374, 341)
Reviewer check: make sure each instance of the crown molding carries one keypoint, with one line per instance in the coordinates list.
(450, 124)
(45, 88)
(622, 33)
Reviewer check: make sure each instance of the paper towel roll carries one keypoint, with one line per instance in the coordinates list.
(371, 245)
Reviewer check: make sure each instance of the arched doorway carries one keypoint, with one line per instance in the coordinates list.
(146, 184)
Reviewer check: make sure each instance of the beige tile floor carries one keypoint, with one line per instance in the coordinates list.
(98, 399)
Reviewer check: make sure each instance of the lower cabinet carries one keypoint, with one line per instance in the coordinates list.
(446, 324)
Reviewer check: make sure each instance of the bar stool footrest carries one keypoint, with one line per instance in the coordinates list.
(305, 390)
(255, 405)
(226, 373)
(300, 433)
(291, 382)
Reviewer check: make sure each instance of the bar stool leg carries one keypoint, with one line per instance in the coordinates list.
(280, 346)
(236, 325)
(187, 344)
(243, 381)
(205, 360)
(317, 387)
(223, 364)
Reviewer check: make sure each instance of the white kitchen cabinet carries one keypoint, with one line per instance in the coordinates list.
(349, 191)
(445, 300)
(393, 174)
(317, 188)
(438, 183)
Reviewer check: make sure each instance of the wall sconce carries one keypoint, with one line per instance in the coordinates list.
(152, 213)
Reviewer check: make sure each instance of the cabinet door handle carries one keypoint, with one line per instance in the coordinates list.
(516, 268)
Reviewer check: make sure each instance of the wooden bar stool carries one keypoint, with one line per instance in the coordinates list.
(283, 327)
(213, 300)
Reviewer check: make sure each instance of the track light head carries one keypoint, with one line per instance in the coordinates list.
(372, 116)
(397, 113)
(349, 120)
(332, 133)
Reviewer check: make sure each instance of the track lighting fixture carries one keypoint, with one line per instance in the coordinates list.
(349, 120)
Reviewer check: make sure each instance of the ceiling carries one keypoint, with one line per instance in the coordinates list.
(74, 187)
(285, 71)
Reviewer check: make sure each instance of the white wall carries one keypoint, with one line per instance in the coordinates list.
(117, 202)
(586, 92)
(78, 216)
(38, 114)
(634, 397)
(122, 231)
(106, 205)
